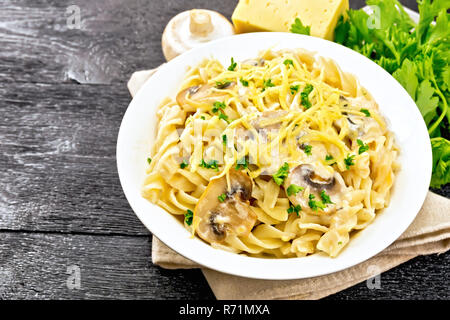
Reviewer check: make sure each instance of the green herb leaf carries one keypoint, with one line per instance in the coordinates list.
(325, 198)
(233, 65)
(366, 112)
(293, 189)
(224, 139)
(295, 209)
(298, 27)
(305, 96)
(213, 164)
(267, 83)
(184, 164)
(441, 162)
(294, 89)
(349, 161)
(244, 82)
(188, 216)
(149, 160)
(281, 174)
(314, 204)
(307, 149)
(242, 163)
(218, 105)
(222, 197)
(288, 62)
(362, 146)
(222, 84)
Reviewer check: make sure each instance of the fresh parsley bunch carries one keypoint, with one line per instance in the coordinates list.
(417, 55)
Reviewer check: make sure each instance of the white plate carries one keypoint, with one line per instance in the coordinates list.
(411, 184)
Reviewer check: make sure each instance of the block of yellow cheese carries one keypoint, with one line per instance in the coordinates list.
(279, 15)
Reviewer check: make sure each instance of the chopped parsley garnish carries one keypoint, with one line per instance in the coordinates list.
(218, 105)
(244, 82)
(268, 83)
(362, 146)
(293, 189)
(294, 89)
(149, 160)
(223, 116)
(213, 164)
(295, 209)
(305, 96)
(203, 118)
(188, 216)
(242, 164)
(298, 27)
(314, 204)
(366, 112)
(184, 164)
(233, 65)
(329, 158)
(307, 149)
(224, 139)
(281, 174)
(222, 197)
(288, 62)
(325, 198)
(222, 84)
(349, 161)
(340, 242)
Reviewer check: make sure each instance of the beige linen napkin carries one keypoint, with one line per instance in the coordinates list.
(428, 234)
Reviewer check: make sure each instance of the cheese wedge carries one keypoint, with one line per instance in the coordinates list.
(279, 15)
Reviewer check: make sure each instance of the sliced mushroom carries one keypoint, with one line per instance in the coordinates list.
(202, 94)
(315, 178)
(255, 62)
(216, 219)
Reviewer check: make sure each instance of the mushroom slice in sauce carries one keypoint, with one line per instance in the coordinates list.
(254, 62)
(316, 178)
(202, 94)
(217, 219)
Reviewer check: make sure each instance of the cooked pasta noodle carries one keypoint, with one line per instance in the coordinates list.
(280, 156)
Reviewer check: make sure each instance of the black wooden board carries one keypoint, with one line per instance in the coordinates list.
(62, 96)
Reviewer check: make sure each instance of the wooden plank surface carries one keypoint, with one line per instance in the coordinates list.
(62, 97)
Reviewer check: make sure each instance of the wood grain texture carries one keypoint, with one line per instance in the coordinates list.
(58, 159)
(39, 266)
(62, 97)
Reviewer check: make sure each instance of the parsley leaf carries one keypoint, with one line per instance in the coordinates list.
(233, 65)
(242, 163)
(305, 96)
(224, 139)
(293, 189)
(294, 89)
(288, 62)
(213, 164)
(222, 197)
(307, 149)
(222, 84)
(441, 162)
(362, 146)
(366, 112)
(244, 82)
(325, 198)
(281, 174)
(295, 209)
(218, 105)
(298, 27)
(149, 160)
(267, 83)
(349, 161)
(314, 204)
(184, 164)
(188, 216)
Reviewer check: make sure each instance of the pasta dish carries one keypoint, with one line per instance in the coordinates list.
(282, 156)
